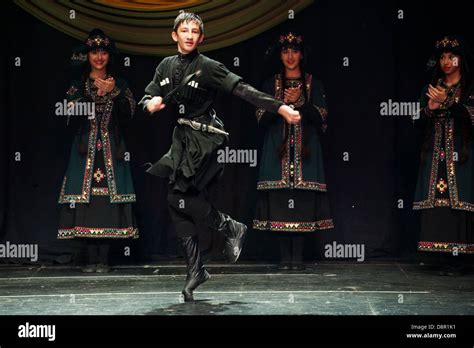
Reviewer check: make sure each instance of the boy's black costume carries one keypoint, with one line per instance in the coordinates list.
(191, 163)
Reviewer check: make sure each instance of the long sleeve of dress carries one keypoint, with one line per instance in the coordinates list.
(315, 111)
(462, 111)
(74, 94)
(424, 113)
(264, 117)
(123, 98)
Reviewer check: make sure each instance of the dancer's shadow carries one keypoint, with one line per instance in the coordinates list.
(197, 307)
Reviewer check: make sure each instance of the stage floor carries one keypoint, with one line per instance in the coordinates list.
(328, 288)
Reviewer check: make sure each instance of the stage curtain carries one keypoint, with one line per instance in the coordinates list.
(144, 26)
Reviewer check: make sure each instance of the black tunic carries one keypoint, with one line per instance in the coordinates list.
(191, 162)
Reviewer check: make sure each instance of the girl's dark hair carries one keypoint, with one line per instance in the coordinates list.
(466, 77)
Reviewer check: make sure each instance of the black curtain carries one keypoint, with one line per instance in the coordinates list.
(3, 137)
(387, 57)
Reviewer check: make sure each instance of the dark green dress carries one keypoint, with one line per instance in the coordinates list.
(292, 192)
(445, 188)
(97, 189)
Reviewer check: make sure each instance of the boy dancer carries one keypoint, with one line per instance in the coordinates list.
(189, 82)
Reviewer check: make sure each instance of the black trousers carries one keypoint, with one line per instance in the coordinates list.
(188, 208)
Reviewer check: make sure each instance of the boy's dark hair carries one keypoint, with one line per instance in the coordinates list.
(188, 17)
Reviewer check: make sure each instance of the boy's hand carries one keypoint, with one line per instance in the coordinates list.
(155, 105)
(290, 115)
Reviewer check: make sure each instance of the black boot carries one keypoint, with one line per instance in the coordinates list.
(453, 266)
(103, 266)
(297, 263)
(234, 232)
(285, 252)
(92, 257)
(197, 274)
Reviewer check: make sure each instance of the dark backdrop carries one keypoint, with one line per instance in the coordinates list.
(387, 59)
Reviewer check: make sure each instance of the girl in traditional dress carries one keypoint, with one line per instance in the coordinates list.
(445, 188)
(97, 190)
(292, 193)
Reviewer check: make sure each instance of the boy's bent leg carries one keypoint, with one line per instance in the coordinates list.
(197, 207)
(233, 230)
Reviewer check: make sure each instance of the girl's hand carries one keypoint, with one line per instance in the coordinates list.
(432, 105)
(105, 85)
(292, 94)
(437, 94)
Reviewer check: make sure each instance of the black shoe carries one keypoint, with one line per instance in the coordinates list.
(192, 282)
(452, 271)
(233, 230)
(299, 266)
(235, 239)
(284, 266)
(197, 274)
(89, 269)
(102, 268)
(92, 257)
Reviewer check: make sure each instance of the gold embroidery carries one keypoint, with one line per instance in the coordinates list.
(442, 186)
(296, 170)
(105, 104)
(290, 37)
(454, 95)
(470, 110)
(98, 175)
(131, 101)
(98, 41)
(323, 112)
(285, 226)
(128, 232)
(446, 247)
(83, 197)
(100, 191)
(72, 90)
(429, 203)
(109, 169)
(455, 202)
(442, 202)
(446, 42)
